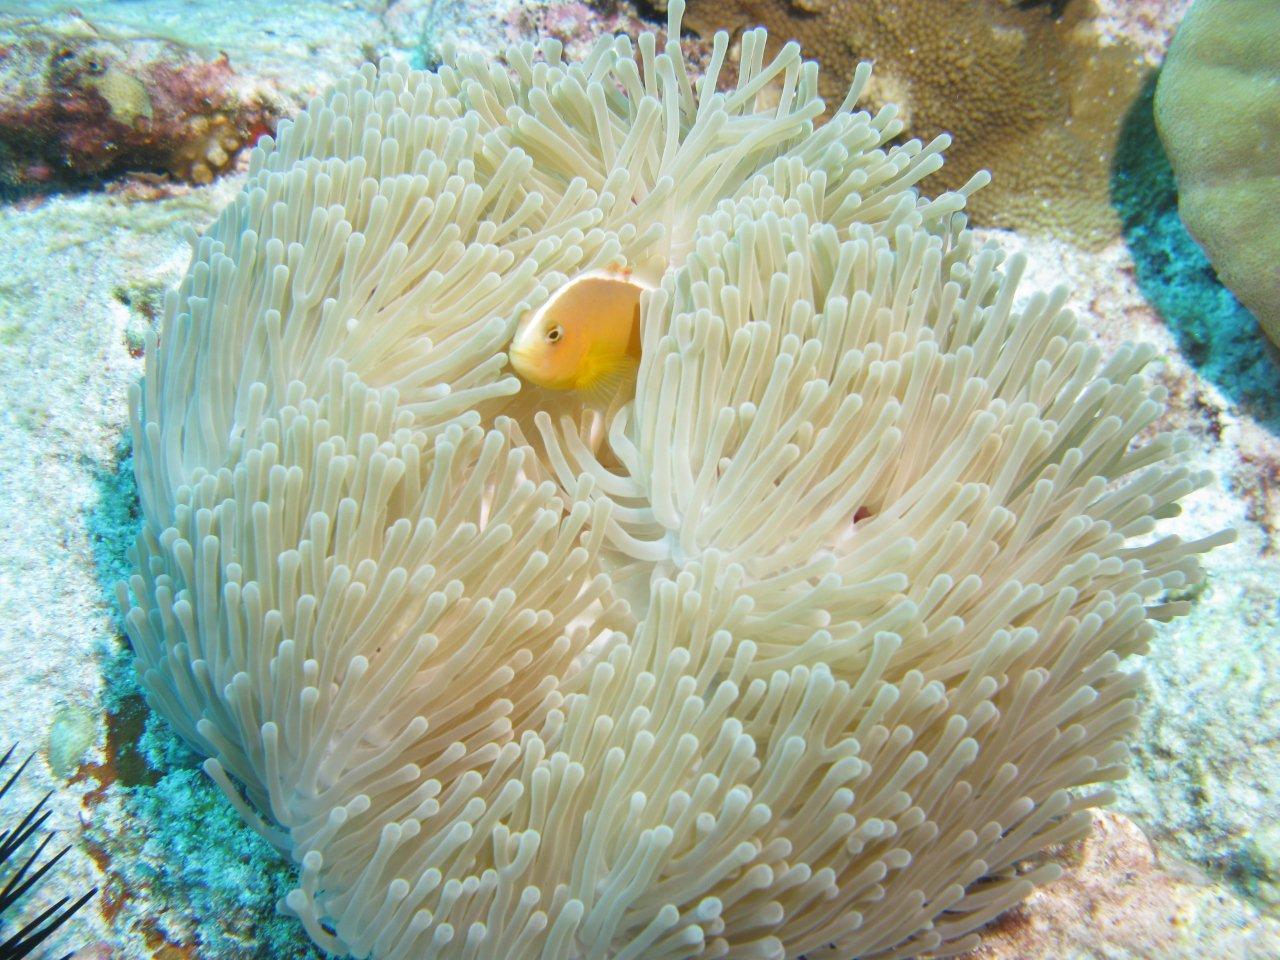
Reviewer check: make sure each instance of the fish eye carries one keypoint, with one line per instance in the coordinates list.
(555, 333)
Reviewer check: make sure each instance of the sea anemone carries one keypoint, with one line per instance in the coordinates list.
(804, 650)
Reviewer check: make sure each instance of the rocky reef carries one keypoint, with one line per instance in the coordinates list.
(80, 104)
(1186, 867)
(142, 93)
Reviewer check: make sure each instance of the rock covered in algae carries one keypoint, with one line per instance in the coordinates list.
(1120, 900)
(79, 101)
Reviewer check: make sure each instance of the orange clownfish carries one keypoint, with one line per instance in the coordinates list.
(586, 337)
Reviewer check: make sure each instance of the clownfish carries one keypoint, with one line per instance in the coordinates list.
(586, 337)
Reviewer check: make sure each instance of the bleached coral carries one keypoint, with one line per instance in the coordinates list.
(800, 653)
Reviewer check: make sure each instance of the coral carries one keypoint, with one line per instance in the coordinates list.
(804, 650)
(78, 103)
(1214, 332)
(214, 142)
(197, 844)
(1036, 100)
(179, 869)
(1217, 107)
(126, 96)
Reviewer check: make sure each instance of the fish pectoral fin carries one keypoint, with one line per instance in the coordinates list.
(609, 381)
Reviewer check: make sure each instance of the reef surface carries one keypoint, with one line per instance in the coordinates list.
(1186, 865)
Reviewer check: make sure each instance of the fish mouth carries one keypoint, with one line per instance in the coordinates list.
(524, 361)
(519, 358)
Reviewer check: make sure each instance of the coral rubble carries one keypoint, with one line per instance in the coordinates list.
(78, 102)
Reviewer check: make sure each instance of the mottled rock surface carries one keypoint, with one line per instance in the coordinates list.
(1119, 900)
(106, 90)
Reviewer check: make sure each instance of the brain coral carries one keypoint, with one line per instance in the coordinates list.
(803, 651)
(1036, 100)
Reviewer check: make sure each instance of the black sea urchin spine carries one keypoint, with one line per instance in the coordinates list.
(20, 876)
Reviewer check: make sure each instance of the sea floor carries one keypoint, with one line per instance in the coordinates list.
(1186, 865)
